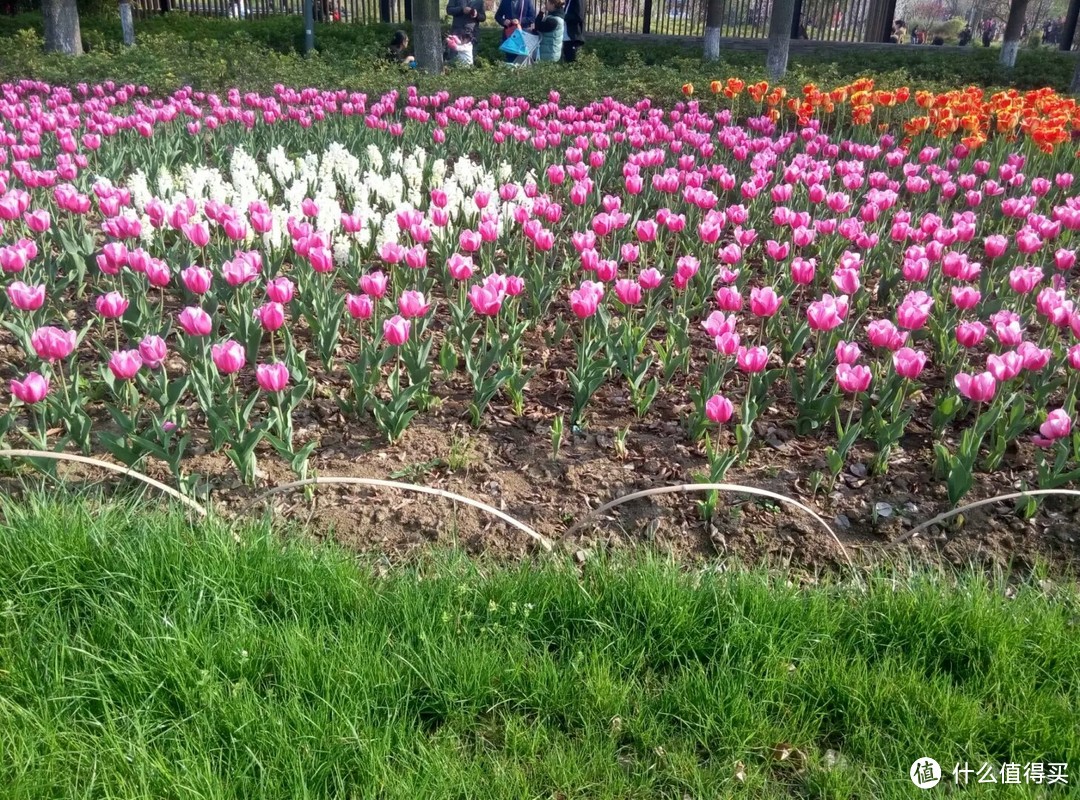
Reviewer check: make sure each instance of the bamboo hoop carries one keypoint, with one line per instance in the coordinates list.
(717, 487)
(977, 504)
(542, 540)
(107, 465)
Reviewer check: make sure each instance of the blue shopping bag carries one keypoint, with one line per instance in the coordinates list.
(515, 44)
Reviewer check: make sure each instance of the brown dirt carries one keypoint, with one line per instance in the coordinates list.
(508, 464)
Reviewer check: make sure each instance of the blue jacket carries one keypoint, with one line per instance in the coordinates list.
(516, 9)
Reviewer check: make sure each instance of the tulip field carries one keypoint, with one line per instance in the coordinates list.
(827, 289)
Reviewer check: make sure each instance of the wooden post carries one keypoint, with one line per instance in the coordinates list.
(646, 22)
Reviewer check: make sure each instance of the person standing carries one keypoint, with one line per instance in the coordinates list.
(551, 26)
(512, 15)
(574, 38)
(465, 28)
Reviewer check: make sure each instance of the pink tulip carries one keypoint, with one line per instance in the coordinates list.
(1023, 279)
(764, 302)
(1064, 259)
(650, 278)
(197, 279)
(153, 351)
(396, 330)
(607, 269)
(31, 389)
(469, 241)
(198, 233)
(360, 306)
(628, 291)
(1034, 358)
(970, 334)
(912, 317)
(228, 357)
(909, 363)
(412, 304)
(827, 313)
(965, 297)
(803, 270)
(882, 333)
(629, 253)
(1058, 425)
(995, 246)
(392, 253)
(853, 379)
(112, 305)
(53, 344)
(585, 300)
(847, 352)
(26, 298)
(38, 221)
(977, 388)
(374, 284)
(1074, 356)
(752, 359)
(272, 377)
(486, 301)
(271, 315)
(195, 322)
(124, 364)
(719, 409)
(280, 290)
(646, 230)
(729, 299)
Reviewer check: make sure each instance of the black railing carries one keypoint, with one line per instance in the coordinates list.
(823, 20)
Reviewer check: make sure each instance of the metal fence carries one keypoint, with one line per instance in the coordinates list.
(823, 20)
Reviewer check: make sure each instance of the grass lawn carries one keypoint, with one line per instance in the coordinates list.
(143, 656)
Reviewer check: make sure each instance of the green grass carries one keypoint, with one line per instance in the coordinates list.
(142, 656)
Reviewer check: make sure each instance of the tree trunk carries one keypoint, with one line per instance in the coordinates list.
(62, 34)
(714, 16)
(427, 35)
(127, 23)
(779, 39)
(1013, 30)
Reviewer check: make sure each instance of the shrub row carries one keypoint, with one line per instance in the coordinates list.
(214, 54)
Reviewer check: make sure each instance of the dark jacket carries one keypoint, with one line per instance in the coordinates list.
(574, 14)
(465, 26)
(516, 9)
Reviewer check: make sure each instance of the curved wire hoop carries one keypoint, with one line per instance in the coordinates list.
(107, 465)
(688, 488)
(322, 480)
(978, 504)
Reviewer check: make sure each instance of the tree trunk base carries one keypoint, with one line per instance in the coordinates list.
(127, 24)
(1008, 53)
(777, 59)
(712, 44)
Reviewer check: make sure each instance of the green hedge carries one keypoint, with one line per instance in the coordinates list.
(213, 54)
